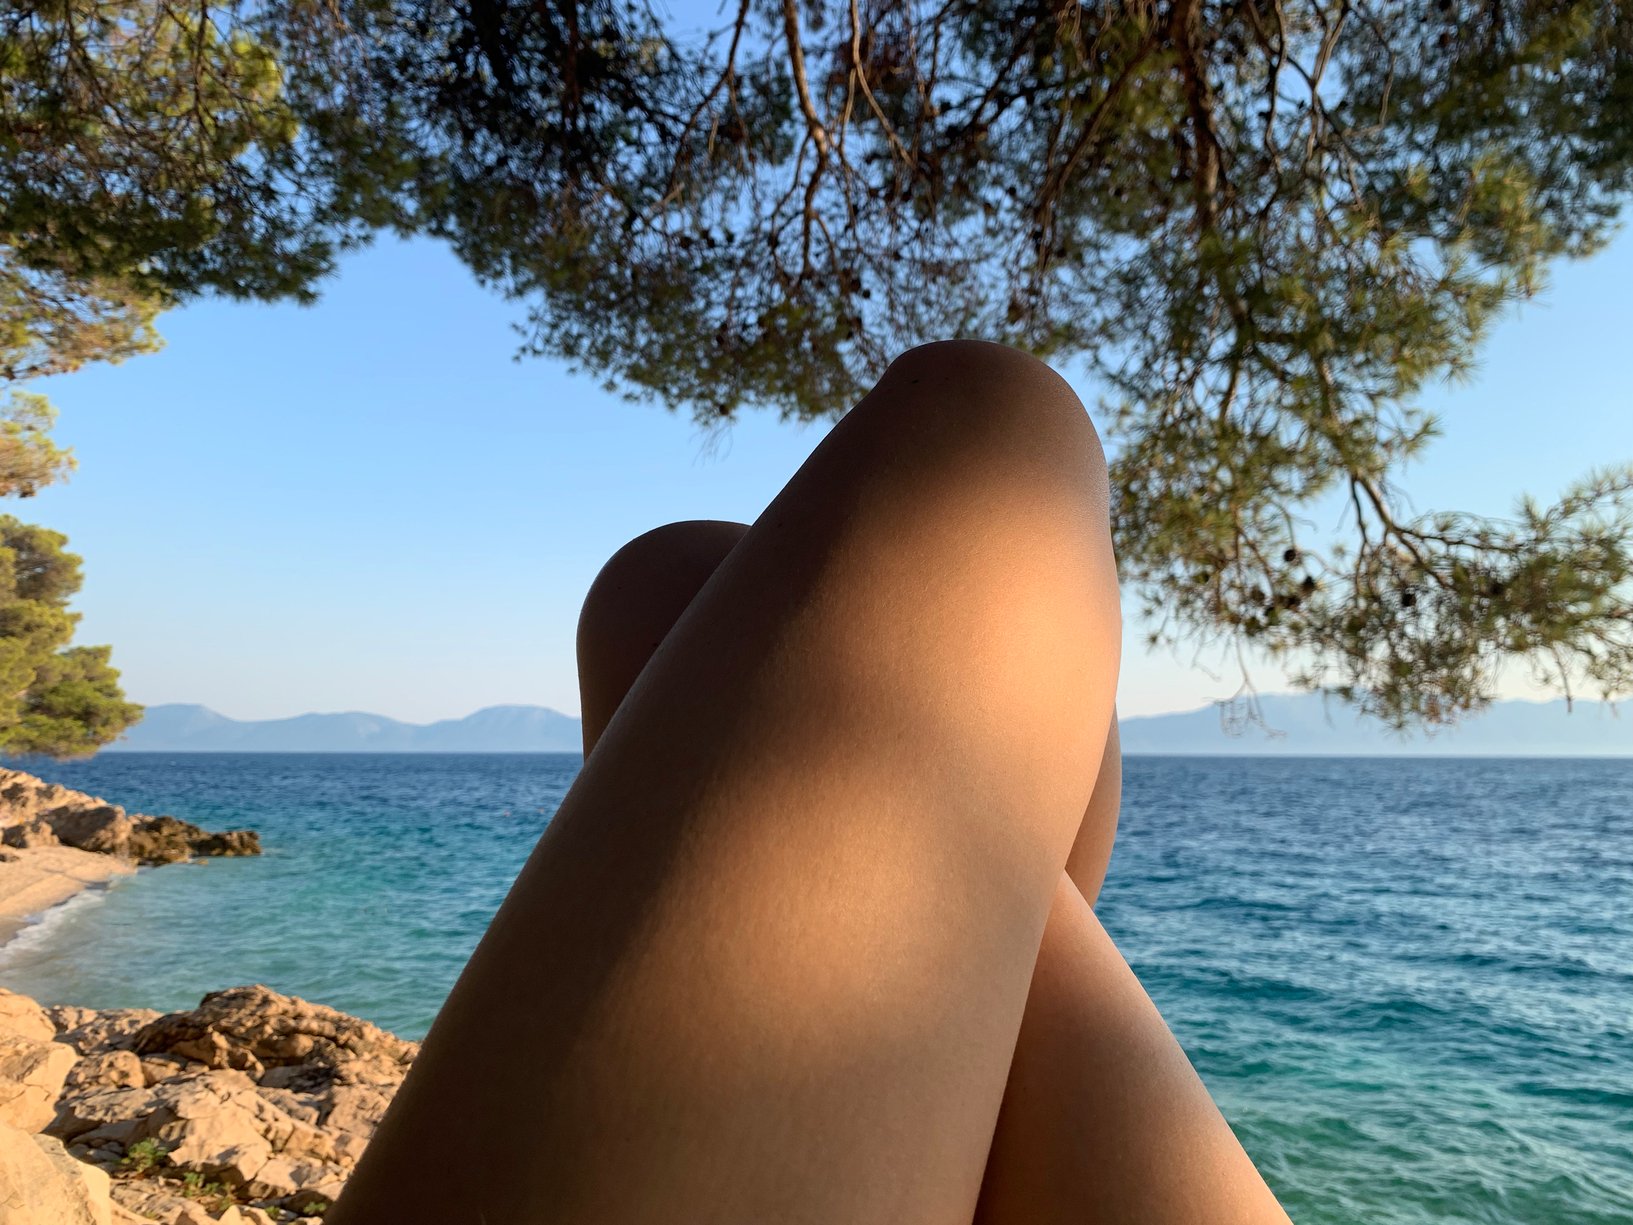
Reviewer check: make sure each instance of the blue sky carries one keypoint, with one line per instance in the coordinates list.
(368, 505)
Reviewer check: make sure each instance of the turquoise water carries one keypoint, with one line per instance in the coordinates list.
(1408, 982)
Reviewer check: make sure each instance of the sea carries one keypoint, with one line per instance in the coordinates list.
(1407, 982)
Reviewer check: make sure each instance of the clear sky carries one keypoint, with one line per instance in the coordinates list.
(368, 505)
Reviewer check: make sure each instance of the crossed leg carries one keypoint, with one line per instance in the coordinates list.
(770, 960)
(1103, 1118)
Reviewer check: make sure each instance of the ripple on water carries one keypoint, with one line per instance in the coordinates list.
(1409, 983)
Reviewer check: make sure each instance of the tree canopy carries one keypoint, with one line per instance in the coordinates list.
(1264, 225)
(54, 698)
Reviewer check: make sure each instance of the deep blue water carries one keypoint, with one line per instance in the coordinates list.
(1409, 983)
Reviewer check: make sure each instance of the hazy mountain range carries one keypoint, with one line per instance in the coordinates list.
(496, 729)
(1294, 724)
(1305, 724)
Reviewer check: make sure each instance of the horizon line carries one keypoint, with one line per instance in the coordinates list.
(1122, 720)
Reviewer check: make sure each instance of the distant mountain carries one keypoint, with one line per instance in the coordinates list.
(1294, 724)
(497, 729)
(1305, 724)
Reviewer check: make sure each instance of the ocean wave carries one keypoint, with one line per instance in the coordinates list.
(40, 930)
(1523, 962)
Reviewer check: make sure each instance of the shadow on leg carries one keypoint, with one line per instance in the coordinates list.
(633, 604)
(1103, 1118)
(640, 594)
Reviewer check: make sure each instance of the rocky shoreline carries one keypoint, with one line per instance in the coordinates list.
(35, 813)
(250, 1109)
(55, 842)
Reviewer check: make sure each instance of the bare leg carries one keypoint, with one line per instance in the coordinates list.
(769, 961)
(1091, 852)
(641, 593)
(1103, 1119)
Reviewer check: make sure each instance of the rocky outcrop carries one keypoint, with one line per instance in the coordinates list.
(32, 1075)
(256, 1029)
(23, 796)
(252, 1108)
(34, 831)
(37, 813)
(40, 1184)
(103, 828)
(34, 1066)
(156, 840)
(21, 1015)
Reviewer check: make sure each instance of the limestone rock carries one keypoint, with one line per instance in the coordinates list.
(36, 813)
(256, 1029)
(65, 1017)
(215, 1125)
(99, 1115)
(357, 1108)
(35, 831)
(193, 1213)
(40, 1184)
(156, 1069)
(146, 1200)
(159, 840)
(91, 1032)
(274, 1097)
(114, 1069)
(21, 1015)
(279, 1177)
(23, 796)
(229, 843)
(31, 1076)
(92, 827)
(302, 1106)
(84, 1185)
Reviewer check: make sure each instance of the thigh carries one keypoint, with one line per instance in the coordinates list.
(1103, 1120)
(769, 961)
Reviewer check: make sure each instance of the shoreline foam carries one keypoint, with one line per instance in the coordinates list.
(36, 879)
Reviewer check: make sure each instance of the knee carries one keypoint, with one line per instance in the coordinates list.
(982, 363)
(647, 583)
(999, 376)
(976, 405)
(681, 547)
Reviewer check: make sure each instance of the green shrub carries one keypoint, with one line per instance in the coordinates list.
(143, 1157)
(213, 1195)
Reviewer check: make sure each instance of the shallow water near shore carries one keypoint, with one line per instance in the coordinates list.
(1409, 983)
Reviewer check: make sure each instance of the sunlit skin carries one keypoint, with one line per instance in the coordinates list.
(771, 960)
